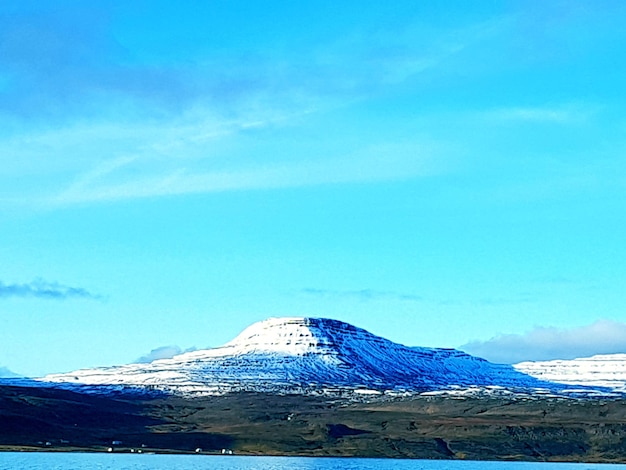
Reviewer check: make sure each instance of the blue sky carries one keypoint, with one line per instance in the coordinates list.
(446, 174)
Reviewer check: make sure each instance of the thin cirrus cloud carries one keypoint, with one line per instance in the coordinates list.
(65, 62)
(362, 294)
(548, 343)
(176, 117)
(41, 289)
(117, 179)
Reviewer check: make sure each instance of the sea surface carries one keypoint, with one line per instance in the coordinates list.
(79, 461)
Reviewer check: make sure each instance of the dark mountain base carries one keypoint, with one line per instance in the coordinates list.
(429, 428)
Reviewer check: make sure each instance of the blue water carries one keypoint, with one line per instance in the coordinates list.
(77, 461)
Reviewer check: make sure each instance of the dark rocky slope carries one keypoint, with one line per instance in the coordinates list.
(420, 427)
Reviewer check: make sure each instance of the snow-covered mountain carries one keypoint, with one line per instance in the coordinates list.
(323, 356)
(305, 355)
(608, 370)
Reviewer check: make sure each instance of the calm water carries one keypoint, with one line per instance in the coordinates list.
(64, 461)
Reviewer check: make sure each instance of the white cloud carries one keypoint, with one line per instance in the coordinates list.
(162, 352)
(547, 343)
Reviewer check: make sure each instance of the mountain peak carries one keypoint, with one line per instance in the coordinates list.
(303, 355)
(297, 335)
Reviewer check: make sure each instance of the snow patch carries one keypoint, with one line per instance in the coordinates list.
(606, 370)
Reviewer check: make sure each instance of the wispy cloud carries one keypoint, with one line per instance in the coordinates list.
(45, 290)
(116, 129)
(118, 179)
(362, 294)
(67, 62)
(162, 352)
(547, 343)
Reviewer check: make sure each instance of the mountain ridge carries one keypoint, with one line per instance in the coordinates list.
(601, 370)
(304, 355)
(319, 387)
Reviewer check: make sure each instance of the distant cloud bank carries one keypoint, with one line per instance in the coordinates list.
(45, 290)
(547, 343)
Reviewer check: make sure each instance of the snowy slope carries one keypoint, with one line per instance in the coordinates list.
(607, 370)
(305, 355)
